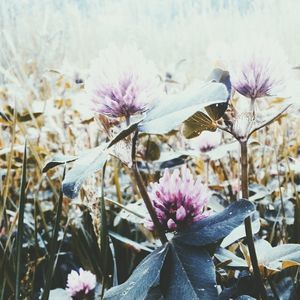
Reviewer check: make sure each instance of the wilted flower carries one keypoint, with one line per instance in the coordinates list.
(80, 284)
(178, 200)
(207, 141)
(122, 82)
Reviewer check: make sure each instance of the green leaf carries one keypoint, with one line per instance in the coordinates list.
(189, 273)
(239, 233)
(197, 123)
(132, 244)
(124, 133)
(145, 276)
(57, 160)
(225, 255)
(216, 111)
(172, 110)
(88, 163)
(215, 227)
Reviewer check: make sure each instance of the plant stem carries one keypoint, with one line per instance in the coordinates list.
(247, 222)
(20, 230)
(144, 193)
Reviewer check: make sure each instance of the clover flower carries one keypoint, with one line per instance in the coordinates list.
(256, 78)
(259, 71)
(207, 141)
(257, 65)
(80, 284)
(178, 200)
(122, 82)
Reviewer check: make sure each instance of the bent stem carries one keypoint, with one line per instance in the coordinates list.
(247, 222)
(144, 193)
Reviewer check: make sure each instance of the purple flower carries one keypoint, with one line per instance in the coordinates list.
(178, 200)
(207, 141)
(255, 79)
(259, 71)
(122, 83)
(81, 283)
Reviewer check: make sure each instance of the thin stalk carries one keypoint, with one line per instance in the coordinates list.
(144, 193)
(54, 246)
(283, 233)
(247, 222)
(21, 225)
(104, 233)
(117, 181)
(9, 165)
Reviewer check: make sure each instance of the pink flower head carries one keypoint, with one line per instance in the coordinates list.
(259, 71)
(207, 141)
(255, 78)
(178, 200)
(81, 283)
(122, 82)
(257, 64)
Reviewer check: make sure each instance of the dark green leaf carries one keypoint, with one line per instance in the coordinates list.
(88, 163)
(145, 276)
(216, 227)
(57, 160)
(188, 273)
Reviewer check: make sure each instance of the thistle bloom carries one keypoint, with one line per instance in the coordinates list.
(81, 283)
(207, 141)
(122, 82)
(178, 200)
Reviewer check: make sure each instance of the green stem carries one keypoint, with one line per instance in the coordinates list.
(104, 234)
(247, 222)
(144, 192)
(21, 225)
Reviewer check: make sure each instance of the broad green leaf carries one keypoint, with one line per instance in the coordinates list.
(216, 227)
(144, 277)
(172, 110)
(188, 273)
